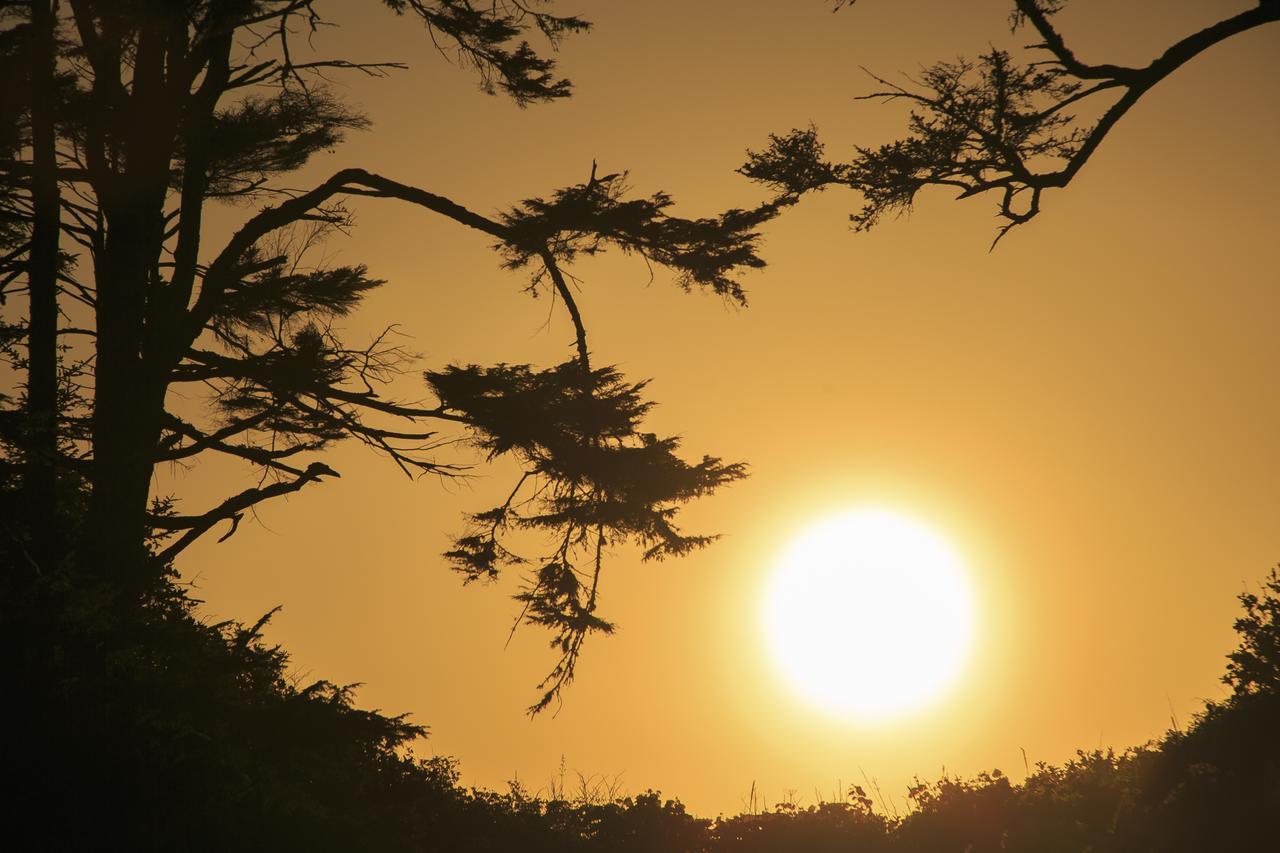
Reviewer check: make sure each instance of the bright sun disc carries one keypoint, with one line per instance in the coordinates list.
(869, 614)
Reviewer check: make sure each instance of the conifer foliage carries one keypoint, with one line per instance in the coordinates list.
(994, 125)
(128, 120)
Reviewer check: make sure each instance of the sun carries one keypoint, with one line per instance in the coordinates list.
(869, 614)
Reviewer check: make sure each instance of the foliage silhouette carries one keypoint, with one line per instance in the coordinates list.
(153, 730)
(991, 125)
(590, 475)
(132, 119)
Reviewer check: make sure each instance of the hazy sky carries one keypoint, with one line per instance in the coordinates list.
(1088, 413)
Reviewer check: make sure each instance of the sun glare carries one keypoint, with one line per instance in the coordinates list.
(869, 614)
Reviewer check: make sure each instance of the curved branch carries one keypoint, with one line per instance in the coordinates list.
(224, 268)
(562, 287)
(231, 509)
(988, 134)
(1141, 81)
(1053, 42)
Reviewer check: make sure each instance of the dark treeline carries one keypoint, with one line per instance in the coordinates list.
(141, 729)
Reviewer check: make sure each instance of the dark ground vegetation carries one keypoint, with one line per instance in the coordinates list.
(151, 729)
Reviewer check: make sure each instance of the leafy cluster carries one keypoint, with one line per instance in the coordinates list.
(259, 136)
(276, 293)
(976, 127)
(485, 38)
(793, 163)
(591, 478)
(1255, 666)
(284, 381)
(584, 219)
(995, 125)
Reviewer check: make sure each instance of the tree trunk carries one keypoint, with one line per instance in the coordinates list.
(128, 405)
(41, 471)
(131, 372)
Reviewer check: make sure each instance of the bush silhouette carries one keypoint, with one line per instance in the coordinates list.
(150, 729)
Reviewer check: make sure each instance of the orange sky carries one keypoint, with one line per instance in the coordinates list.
(1089, 413)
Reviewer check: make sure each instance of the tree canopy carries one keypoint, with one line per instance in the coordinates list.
(129, 121)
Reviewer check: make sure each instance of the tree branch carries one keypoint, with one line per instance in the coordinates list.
(197, 525)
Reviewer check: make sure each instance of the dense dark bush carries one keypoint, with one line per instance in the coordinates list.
(146, 728)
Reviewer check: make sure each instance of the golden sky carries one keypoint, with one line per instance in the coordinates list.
(1088, 413)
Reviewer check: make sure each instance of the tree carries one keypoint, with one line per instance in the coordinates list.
(993, 125)
(135, 117)
(1254, 667)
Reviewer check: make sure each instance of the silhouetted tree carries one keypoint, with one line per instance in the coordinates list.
(130, 119)
(1254, 667)
(991, 125)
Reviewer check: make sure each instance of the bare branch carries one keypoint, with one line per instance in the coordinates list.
(197, 525)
